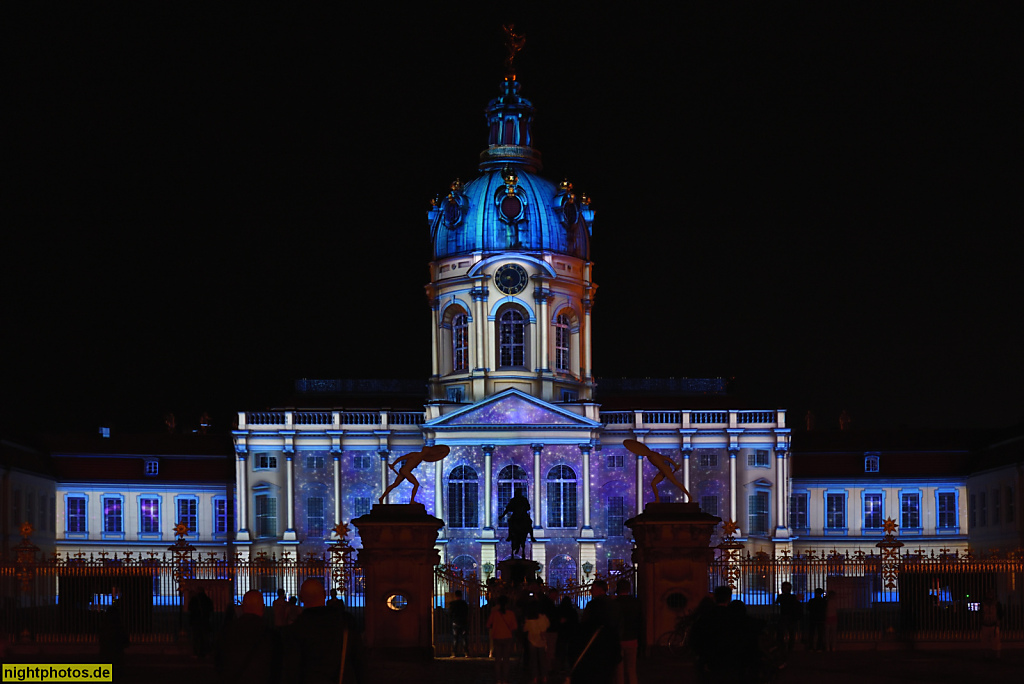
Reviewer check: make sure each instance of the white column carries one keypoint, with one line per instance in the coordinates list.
(686, 474)
(438, 499)
(586, 339)
(782, 495)
(544, 324)
(337, 489)
(434, 338)
(384, 474)
(732, 487)
(488, 455)
(479, 323)
(537, 448)
(243, 499)
(587, 531)
(289, 533)
(639, 484)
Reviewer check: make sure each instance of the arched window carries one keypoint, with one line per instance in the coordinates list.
(511, 339)
(562, 337)
(460, 342)
(462, 497)
(561, 571)
(561, 497)
(511, 481)
(463, 565)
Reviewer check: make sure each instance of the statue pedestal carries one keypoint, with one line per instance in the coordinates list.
(398, 559)
(672, 555)
(518, 570)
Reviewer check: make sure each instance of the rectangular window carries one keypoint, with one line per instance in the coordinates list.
(76, 514)
(16, 507)
(570, 395)
(463, 491)
(910, 511)
(315, 461)
(709, 459)
(315, 516)
(615, 516)
(149, 512)
(996, 506)
(947, 511)
(982, 510)
(266, 461)
(112, 517)
(757, 512)
(974, 511)
(835, 511)
(616, 566)
(362, 506)
(561, 504)
(220, 516)
(872, 511)
(709, 504)
(758, 459)
(614, 460)
(362, 460)
(798, 511)
(152, 467)
(1010, 503)
(266, 516)
(188, 513)
(53, 513)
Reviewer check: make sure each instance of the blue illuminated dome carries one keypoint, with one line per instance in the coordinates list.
(509, 207)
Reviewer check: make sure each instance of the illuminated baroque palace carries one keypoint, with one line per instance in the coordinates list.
(512, 394)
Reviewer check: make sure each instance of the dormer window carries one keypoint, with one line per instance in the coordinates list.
(871, 463)
(152, 467)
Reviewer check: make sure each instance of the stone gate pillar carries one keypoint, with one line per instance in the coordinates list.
(671, 555)
(398, 559)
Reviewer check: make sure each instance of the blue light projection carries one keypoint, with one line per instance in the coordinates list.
(511, 411)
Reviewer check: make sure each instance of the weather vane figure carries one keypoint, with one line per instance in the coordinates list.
(514, 42)
(665, 465)
(409, 462)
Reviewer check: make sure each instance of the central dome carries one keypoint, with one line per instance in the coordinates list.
(509, 207)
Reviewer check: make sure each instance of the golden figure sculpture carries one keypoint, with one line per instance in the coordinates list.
(665, 465)
(514, 42)
(409, 462)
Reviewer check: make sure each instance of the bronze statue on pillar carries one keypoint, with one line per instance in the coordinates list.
(409, 462)
(665, 465)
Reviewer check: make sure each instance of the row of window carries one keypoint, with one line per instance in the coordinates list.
(872, 511)
(979, 507)
(314, 461)
(511, 341)
(32, 509)
(112, 514)
(759, 458)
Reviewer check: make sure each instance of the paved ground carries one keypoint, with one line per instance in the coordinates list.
(845, 666)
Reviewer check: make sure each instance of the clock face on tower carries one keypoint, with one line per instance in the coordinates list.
(511, 279)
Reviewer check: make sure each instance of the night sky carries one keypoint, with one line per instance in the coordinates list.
(200, 208)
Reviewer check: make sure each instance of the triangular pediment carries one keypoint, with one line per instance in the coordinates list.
(512, 408)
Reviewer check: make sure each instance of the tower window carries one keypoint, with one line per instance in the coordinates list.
(460, 342)
(512, 339)
(562, 342)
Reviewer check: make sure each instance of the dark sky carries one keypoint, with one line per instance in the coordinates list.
(200, 208)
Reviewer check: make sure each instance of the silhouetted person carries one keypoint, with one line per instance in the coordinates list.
(601, 651)
(200, 611)
(320, 640)
(630, 627)
(280, 607)
(568, 629)
(991, 616)
(503, 625)
(112, 635)
(458, 611)
(251, 650)
(335, 603)
(790, 611)
(293, 609)
(816, 609)
(712, 637)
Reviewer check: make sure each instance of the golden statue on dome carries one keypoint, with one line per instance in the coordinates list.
(514, 42)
